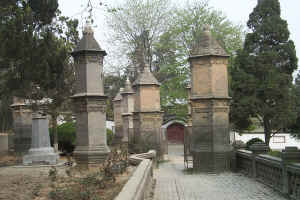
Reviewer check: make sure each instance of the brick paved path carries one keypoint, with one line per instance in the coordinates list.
(172, 183)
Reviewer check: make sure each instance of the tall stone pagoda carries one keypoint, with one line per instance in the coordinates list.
(90, 101)
(127, 114)
(210, 105)
(117, 104)
(147, 115)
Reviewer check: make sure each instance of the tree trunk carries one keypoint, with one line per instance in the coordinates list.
(54, 128)
(267, 131)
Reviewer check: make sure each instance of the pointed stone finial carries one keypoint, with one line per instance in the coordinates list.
(118, 97)
(88, 42)
(88, 30)
(128, 88)
(206, 45)
(206, 28)
(127, 80)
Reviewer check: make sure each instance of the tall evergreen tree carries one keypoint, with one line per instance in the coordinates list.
(262, 75)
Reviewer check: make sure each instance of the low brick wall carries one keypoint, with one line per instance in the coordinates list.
(272, 171)
(3, 143)
(139, 185)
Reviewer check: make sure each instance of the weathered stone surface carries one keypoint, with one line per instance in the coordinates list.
(41, 150)
(259, 148)
(147, 115)
(210, 142)
(118, 110)
(22, 124)
(147, 127)
(90, 101)
(3, 143)
(290, 154)
(127, 114)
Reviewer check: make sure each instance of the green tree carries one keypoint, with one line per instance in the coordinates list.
(262, 73)
(172, 50)
(162, 34)
(35, 57)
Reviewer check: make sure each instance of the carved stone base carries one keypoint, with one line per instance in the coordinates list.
(41, 156)
(211, 162)
(147, 131)
(90, 155)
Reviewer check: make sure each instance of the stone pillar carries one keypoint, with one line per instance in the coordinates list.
(257, 148)
(117, 103)
(127, 116)
(188, 127)
(147, 115)
(210, 105)
(22, 123)
(90, 101)
(288, 155)
(41, 151)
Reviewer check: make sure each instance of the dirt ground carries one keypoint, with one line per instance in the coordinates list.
(34, 183)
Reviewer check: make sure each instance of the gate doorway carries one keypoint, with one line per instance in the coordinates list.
(173, 134)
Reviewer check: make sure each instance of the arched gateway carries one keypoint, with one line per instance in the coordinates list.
(174, 131)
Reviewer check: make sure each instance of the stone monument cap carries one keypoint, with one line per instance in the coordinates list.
(206, 45)
(146, 78)
(88, 43)
(128, 88)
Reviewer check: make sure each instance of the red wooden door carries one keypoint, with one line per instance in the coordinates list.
(175, 133)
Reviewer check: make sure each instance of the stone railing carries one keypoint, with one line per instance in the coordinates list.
(282, 174)
(140, 183)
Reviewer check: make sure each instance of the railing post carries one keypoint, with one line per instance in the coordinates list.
(257, 148)
(236, 146)
(288, 155)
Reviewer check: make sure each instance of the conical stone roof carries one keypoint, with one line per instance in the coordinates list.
(118, 97)
(128, 88)
(146, 78)
(207, 46)
(88, 42)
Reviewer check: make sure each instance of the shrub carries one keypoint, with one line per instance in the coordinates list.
(252, 141)
(109, 136)
(66, 136)
(274, 153)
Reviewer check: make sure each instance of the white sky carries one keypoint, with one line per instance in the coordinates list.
(236, 10)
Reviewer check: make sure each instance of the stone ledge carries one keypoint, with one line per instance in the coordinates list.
(138, 185)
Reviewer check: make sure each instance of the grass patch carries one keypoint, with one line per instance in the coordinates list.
(274, 153)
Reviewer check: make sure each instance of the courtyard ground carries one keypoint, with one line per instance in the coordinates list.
(174, 183)
(34, 183)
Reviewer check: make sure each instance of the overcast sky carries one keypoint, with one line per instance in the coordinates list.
(236, 10)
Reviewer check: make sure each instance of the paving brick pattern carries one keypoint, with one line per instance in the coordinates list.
(172, 183)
